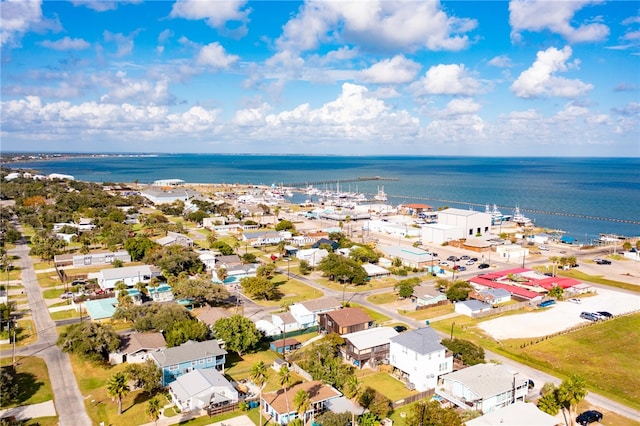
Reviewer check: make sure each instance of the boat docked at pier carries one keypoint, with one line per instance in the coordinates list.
(496, 215)
(381, 195)
(521, 219)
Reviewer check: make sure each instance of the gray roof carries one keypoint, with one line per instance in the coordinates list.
(519, 413)
(201, 380)
(126, 272)
(188, 351)
(422, 340)
(486, 380)
(371, 337)
(321, 304)
(496, 292)
(475, 305)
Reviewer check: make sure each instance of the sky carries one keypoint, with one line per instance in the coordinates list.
(366, 77)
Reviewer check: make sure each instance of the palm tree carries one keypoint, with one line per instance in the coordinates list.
(153, 409)
(302, 403)
(117, 388)
(259, 376)
(284, 376)
(276, 213)
(570, 393)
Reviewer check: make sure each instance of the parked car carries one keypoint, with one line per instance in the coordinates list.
(483, 266)
(589, 416)
(470, 262)
(475, 259)
(605, 314)
(589, 316)
(602, 261)
(574, 300)
(462, 268)
(443, 263)
(465, 257)
(452, 258)
(67, 295)
(400, 328)
(543, 248)
(531, 384)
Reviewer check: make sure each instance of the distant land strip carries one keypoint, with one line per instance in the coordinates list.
(325, 182)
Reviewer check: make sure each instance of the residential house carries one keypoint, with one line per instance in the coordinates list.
(472, 307)
(228, 261)
(285, 322)
(483, 387)
(419, 357)
(333, 244)
(105, 258)
(375, 271)
(519, 413)
(279, 404)
(368, 347)
(426, 295)
(135, 347)
(161, 196)
(179, 360)
(130, 275)
(161, 293)
(302, 240)
(346, 320)
(312, 256)
(284, 346)
(492, 296)
(263, 238)
(210, 315)
(175, 238)
(306, 313)
(200, 388)
(100, 310)
(208, 258)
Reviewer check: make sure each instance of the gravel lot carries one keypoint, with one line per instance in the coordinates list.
(560, 316)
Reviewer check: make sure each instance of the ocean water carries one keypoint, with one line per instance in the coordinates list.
(581, 196)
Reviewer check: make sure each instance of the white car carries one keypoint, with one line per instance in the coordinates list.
(444, 263)
(574, 300)
(470, 262)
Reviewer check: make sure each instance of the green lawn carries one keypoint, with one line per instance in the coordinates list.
(384, 383)
(292, 291)
(33, 380)
(603, 353)
(574, 273)
(377, 317)
(383, 298)
(25, 334)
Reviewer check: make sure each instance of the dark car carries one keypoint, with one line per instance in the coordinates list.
(589, 316)
(400, 328)
(462, 268)
(531, 384)
(483, 266)
(589, 416)
(602, 261)
(452, 258)
(605, 314)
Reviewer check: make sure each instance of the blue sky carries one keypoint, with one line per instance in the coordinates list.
(496, 78)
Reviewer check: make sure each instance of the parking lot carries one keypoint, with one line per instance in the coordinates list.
(561, 316)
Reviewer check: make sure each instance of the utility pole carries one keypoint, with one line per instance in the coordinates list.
(14, 341)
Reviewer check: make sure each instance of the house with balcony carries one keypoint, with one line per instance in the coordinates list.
(484, 387)
(345, 320)
(279, 404)
(368, 347)
(419, 358)
(179, 360)
(161, 293)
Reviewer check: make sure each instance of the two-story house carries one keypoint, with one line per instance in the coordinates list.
(420, 357)
(280, 406)
(346, 320)
(368, 346)
(484, 387)
(307, 313)
(189, 356)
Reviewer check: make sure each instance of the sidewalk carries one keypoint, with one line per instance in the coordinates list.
(241, 420)
(24, 412)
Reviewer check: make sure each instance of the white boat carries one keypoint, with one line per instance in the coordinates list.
(381, 195)
(496, 215)
(520, 219)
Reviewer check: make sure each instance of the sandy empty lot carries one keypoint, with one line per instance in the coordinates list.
(560, 316)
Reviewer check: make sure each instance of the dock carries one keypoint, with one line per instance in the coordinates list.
(329, 182)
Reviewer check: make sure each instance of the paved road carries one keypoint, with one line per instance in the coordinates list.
(67, 396)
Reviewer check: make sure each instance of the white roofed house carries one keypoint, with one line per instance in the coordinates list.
(263, 238)
(200, 388)
(312, 256)
(483, 387)
(306, 313)
(420, 357)
(130, 275)
(175, 238)
(368, 347)
(412, 257)
(285, 322)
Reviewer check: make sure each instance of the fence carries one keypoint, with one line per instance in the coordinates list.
(433, 305)
(413, 398)
(504, 308)
(290, 334)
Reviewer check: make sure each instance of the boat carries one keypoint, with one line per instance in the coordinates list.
(521, 219)
(496, 215)
(381, 195)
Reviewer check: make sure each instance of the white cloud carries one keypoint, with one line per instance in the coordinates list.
(395, 70)
(121, 89)
(376, 24)
(123, 43)
(18, 16)
(555, 16)
(460, 107)
(214, 56)
(215, 13)
(541, 78)
(502, 61)
(251, 116)
(66, 43)
(450, 79)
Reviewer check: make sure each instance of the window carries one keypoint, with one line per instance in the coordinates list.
(201, 361)
(209, 359)
(173, 367)
(193, 363)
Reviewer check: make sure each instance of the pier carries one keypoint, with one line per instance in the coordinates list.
(329, 182)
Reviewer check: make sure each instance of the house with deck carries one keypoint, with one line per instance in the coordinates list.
(368, 348)
(201, 388)
(179, 360)
(280, 406)
(345, 320)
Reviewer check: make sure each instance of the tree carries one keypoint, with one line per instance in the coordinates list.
(285, 225)
(222, 274)
(175, 259)
(259, 287)
(238, 332)
(548, 403)
(364, 254)
(329, 418)
(336, 267)
(138, 247)
(430, 413)
(185, 330)
(153, 409)
(405, 287)
(267, 271)
(9, 385)
(458, 291)
(303, 267)
(90, 340)
(301, 403)
(467, 352)
(556, 291)
(201, 290)
(224, 248)
(117, 388)
(146, 376)
(284, 378)
(259, 375)
(570, 392)
(248, 258)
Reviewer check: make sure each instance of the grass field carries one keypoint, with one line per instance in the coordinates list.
(292, 291)
(33, 381)
(384, 383)
(603, 353)
(578, 275)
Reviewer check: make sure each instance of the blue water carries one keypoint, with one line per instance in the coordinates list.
(594, 187)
